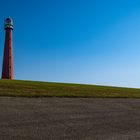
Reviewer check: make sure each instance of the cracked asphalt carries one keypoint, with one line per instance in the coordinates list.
(69, 119)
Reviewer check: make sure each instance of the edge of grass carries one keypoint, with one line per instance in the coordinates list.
(23, 88)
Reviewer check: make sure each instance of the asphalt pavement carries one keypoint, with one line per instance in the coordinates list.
(69, 119)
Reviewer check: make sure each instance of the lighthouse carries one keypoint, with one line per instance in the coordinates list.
(8, 66)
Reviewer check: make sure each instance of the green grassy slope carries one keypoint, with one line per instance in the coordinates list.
(45, 89)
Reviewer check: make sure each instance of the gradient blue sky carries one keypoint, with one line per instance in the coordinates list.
(78, 41)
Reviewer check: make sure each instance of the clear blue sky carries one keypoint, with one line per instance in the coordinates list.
(78, 41)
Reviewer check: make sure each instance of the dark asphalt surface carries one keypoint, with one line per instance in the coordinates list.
(69, 119)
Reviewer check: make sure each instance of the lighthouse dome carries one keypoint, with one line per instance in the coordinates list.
(8, 23)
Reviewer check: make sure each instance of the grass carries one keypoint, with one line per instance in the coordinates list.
(18, 88)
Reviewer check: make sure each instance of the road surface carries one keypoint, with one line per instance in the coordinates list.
(69, 119)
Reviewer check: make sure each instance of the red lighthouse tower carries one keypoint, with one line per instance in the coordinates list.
(8, 67)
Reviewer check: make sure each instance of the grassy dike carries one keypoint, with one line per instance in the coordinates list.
(18, 88)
